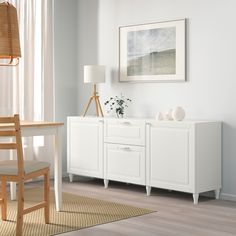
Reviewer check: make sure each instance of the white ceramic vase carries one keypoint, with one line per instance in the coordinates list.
(178, 114)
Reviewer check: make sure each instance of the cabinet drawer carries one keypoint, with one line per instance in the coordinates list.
(125, 131)
(125, 163)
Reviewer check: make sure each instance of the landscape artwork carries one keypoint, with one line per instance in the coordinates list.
(153, 52)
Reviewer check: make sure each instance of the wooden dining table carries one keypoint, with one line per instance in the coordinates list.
(44, 128)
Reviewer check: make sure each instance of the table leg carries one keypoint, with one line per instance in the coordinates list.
(13, 190)
(58, 170)
(12, 184)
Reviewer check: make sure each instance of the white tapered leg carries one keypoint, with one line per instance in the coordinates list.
(217, 193)
(195, 198)
(106, 181)
(58, 170)
(12, 184)
(13, 190)
(71, 177)
(148, 190)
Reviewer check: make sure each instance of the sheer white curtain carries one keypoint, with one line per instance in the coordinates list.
(28, 88)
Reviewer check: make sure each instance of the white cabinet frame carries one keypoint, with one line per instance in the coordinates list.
(188, 157)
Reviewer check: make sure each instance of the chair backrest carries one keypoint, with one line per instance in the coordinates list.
(10, 128)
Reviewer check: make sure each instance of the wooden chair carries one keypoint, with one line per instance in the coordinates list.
(19, 171)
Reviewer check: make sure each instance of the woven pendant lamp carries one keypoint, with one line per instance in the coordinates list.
(9, 35)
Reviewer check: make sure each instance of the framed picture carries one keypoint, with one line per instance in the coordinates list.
(152, 52)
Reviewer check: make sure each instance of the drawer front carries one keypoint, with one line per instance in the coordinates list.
(125, 163)
(125, 131)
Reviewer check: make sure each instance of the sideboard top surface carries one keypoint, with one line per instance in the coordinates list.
(148, 120)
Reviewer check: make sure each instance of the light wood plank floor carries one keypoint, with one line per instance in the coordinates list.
(176, 215)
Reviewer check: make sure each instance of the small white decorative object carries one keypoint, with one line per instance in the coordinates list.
(159, 116)
(178, 113)
(168, 115)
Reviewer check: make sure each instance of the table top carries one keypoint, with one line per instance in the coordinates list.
(40, 123)
(35, 124)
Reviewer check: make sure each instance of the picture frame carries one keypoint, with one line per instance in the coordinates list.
(153, 52)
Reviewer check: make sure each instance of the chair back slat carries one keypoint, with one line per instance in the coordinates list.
(5, 120)
(7, 133)
(8, 146)
(12, 130)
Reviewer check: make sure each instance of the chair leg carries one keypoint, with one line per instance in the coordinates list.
(46, 197)
(4, 198)
(19, 223)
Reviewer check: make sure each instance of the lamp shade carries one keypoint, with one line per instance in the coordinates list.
(94, 74)
(9, 33)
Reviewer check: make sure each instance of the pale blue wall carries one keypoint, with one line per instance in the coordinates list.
(65, 63)
(210, 90)
(211, 36)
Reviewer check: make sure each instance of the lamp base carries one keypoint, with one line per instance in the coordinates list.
(94, 97)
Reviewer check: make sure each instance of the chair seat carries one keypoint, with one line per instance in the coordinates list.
(10, 167)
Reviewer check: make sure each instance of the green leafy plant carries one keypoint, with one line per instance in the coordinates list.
(117, 104)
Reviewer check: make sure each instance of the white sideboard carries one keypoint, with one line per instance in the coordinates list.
(183, 156)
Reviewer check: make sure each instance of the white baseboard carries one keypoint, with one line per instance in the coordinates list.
(228, 197)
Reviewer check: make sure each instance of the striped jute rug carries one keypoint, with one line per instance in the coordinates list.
(77, 212)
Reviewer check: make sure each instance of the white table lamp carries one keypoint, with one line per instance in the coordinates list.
(94, 74)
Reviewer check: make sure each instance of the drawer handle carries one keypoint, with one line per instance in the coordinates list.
(127, 149)
(125, 123)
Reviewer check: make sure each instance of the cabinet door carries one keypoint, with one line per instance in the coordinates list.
(168, 159)
(85, 147)
(125, 163)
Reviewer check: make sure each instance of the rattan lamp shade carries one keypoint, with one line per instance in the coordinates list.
(9, 34)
